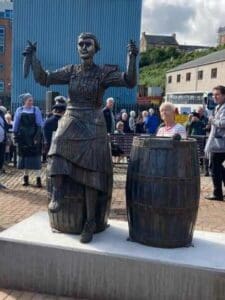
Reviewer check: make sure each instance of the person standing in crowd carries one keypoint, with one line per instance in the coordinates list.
(119, 128)
(169, 128)
(144, 115)
(132, 122)
(151, 122)
(51, 124)
(139, 124)
(215, 146)
(57, 100)
(202, 117)
(200, 127)
(125, 121)
(117, 152)
(9, 149)
(195, 126)
(60, 100)
(109, 116)
(3, 129)
(27, 131)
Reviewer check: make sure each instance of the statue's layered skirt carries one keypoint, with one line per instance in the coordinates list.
(80, 149)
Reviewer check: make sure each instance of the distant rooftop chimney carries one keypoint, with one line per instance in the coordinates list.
(174, 35)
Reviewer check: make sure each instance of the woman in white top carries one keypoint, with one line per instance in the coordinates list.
(170, 128)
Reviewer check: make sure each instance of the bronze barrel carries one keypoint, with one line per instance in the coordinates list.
(162, 191)
(72, 216)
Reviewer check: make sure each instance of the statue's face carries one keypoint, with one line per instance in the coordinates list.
(86, 48)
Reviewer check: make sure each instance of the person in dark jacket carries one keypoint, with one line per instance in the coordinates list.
(51, 124)
(3, 129)
(140, 124)
(124, 119)
(109, 116)
(203, 119)
(196, 127)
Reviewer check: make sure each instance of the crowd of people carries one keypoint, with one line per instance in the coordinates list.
(25, 140)
(153, 122)
(130, 122)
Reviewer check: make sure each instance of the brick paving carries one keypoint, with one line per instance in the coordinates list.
(14, 295)
(18, 202)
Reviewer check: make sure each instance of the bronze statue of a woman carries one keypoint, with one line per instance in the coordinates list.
(80, 152)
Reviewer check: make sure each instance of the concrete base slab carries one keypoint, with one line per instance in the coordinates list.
(110, 268)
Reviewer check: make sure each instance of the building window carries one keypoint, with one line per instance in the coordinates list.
(2, 86)
(169, 79)
(178, 77)
(214, 73)
(2, 39)
(8, 14)
(188, 76)
(200, 75)
(1, 67)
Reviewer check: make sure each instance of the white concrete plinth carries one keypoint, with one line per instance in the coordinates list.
(110, 267)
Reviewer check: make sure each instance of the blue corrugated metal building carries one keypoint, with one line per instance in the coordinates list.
(55, 25)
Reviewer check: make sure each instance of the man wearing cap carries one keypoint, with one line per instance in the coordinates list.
(27, 130)
(51, 124)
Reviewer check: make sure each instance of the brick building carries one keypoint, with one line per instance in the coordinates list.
(5, 57)
(158, 41)
(161, 41)
(6, 14)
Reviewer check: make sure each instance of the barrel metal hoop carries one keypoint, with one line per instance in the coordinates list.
(149, 178)
(160, 142)
(165, 210)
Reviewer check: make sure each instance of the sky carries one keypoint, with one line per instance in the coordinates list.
(195, 22)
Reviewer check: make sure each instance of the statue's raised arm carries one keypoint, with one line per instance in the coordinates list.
(111, 74)
(31, 61)
(131, 74)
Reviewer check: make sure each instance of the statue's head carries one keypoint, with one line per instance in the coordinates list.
(87, 45)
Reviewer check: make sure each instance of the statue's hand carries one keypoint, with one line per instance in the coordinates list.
(29, 54)
(132, 48)
(30, 49)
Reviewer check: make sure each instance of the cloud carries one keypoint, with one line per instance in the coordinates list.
(195, 22)
(167, 18)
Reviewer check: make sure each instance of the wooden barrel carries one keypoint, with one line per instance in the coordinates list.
(72, 216)
(162, 191)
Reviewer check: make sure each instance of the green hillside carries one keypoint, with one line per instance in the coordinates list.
(157, 61)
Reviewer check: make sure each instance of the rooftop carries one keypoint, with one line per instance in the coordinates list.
(161, 40)
(192, 47)
(204, 60)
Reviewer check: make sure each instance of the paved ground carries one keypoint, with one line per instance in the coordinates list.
(18, 202)
(14, 295)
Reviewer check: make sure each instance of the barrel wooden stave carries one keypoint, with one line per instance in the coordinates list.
(163, 188)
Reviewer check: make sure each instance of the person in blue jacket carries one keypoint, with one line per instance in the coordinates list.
(27, 129)
(152, 122)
